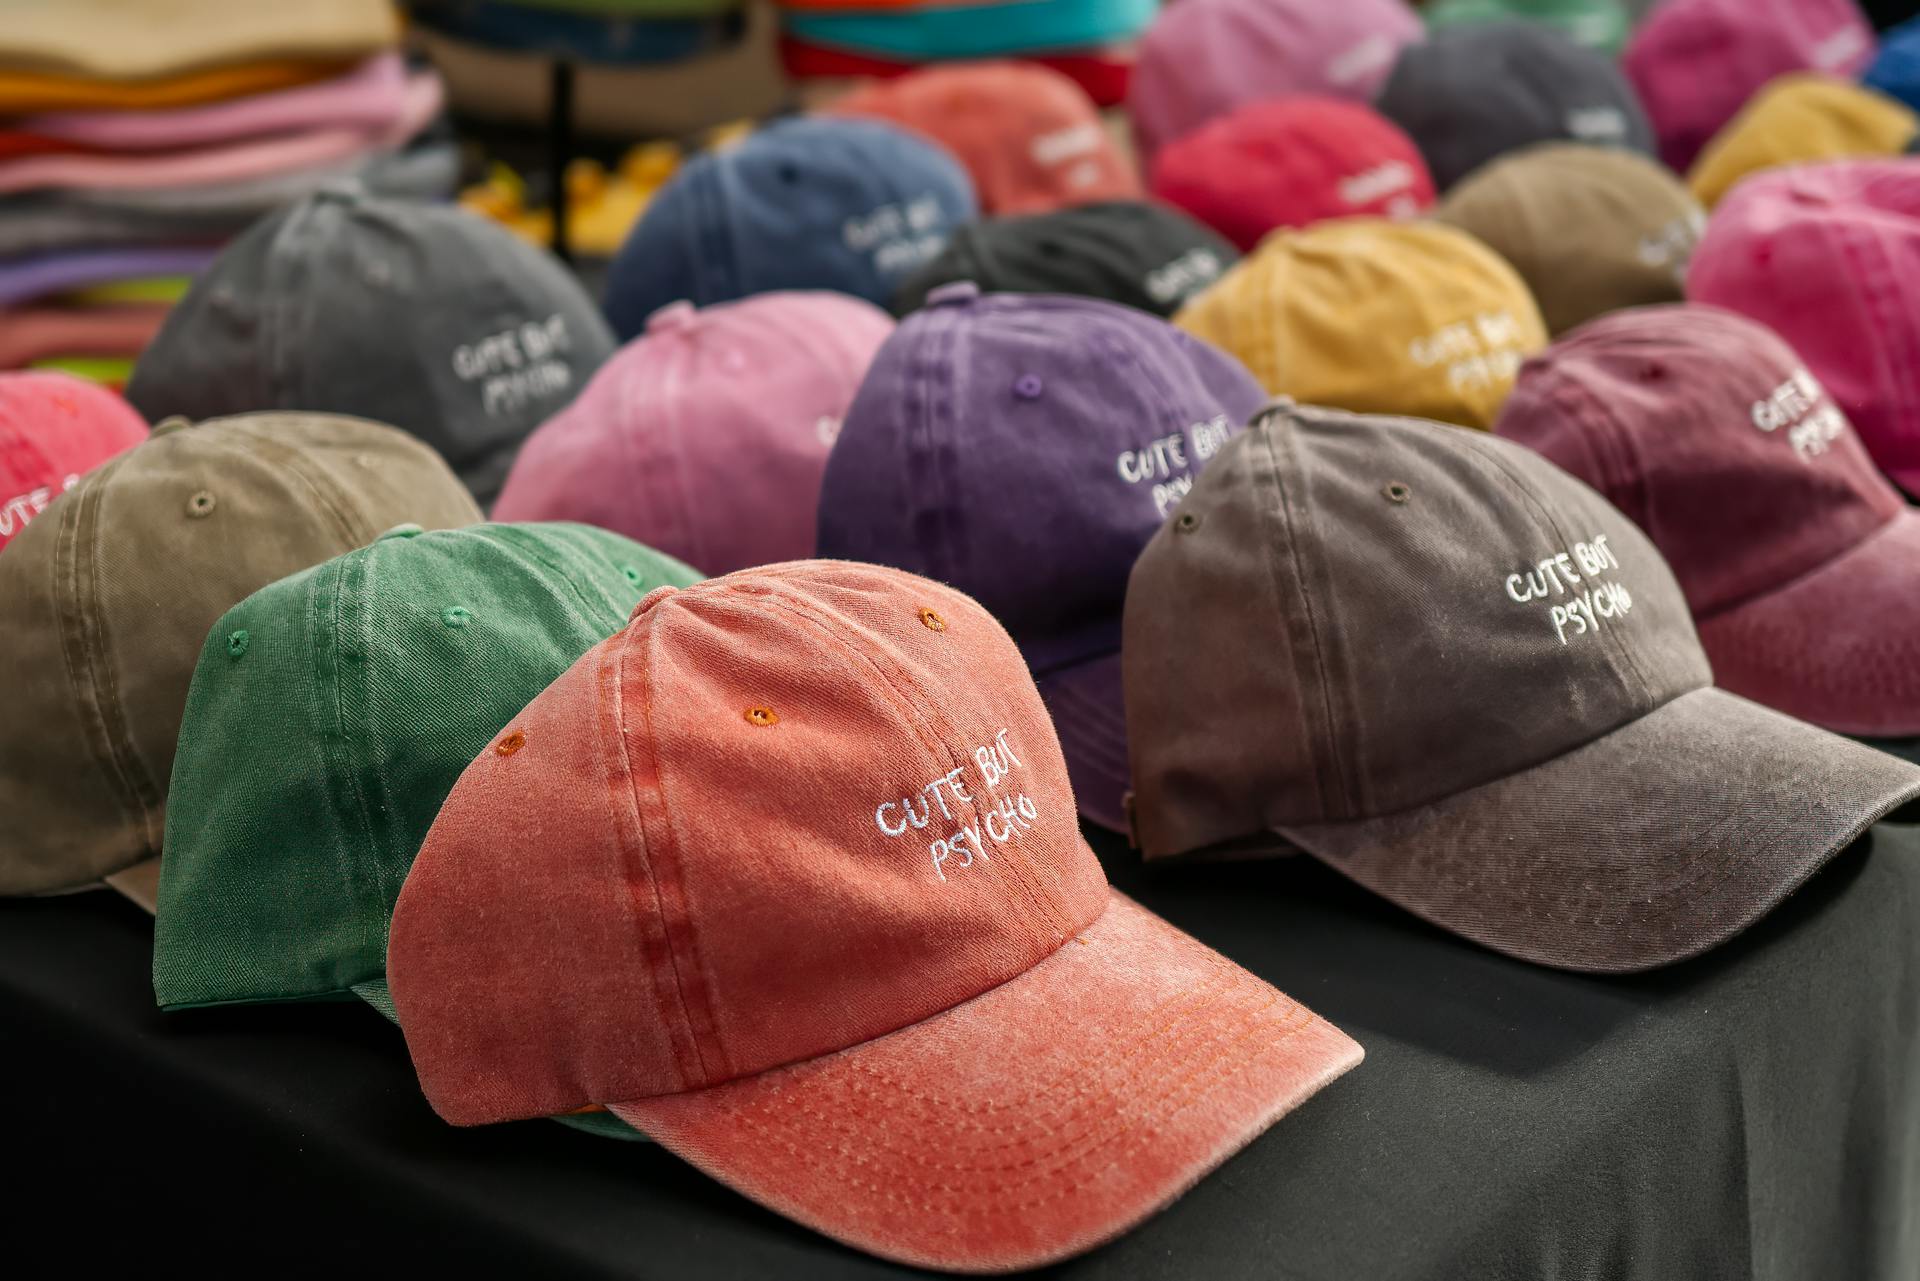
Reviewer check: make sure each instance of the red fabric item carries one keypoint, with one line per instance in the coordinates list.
(1029, 136)
(1796, 556)
(1291, 162)
(1103, 73)
(15, 143)
(53, 430)
(787, 874)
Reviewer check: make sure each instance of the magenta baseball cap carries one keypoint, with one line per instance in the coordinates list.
(1828, 256)
(1023, 448)
(1695, 63)
(706, 436)
(1798, 560)
(1290, 162)
(1203, 58)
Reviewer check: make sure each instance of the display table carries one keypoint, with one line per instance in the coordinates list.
(1755, 1113)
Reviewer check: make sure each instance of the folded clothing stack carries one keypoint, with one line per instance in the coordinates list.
(1088, 40)
(136, 139)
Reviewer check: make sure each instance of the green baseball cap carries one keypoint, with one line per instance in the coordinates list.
(1597, 24)
(330, 714)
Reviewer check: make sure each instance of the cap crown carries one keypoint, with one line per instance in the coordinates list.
(707, 436)
(781, 813)
(1707, 431)
(1695, 63)
(1030, 138)
(53, 429)
(1469, 94)
(424, 316)
(1590, 229)
(1797, 119)
(1288, 162)
(1376, 316)
(804, 203)
(1353, 616)
(329, 716)
(1138, 252)
(1202, 59)
(1024, 448)
(105, 602)
(1825, 256)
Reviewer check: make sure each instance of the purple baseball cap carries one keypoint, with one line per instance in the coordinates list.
(1828, 256)
(1203, 58)
(1024, 448)
(705, 437)
(1695, 63)
(1797, 558)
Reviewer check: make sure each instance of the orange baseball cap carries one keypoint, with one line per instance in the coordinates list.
(1030, 137)
(786, 875)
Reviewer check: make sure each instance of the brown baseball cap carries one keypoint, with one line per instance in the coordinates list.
(1590, 229)
(1442, 665)
(105, 602)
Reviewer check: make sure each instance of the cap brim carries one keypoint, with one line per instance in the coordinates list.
(1840, 646)
(1035, 1121)
(1086, 704)
(141, 883)
(1652, 844)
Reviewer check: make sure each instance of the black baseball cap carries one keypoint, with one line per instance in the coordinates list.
(1136, 252)
(424, 316)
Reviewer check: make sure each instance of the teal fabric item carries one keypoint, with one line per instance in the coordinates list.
(977, 30)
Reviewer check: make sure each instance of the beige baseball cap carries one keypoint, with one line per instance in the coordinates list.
(1376, 316)
(106, 598)
(148, 39)
(1590, 229)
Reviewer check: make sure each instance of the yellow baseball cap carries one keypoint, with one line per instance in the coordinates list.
(1376, 316)
(1798, 118)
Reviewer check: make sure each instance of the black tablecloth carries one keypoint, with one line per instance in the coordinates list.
(1755, 1113)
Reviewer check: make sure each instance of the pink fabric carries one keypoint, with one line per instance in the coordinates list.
(1828, 256)
(1203, 58)
(1292, 162)
(706, 437)
(683, 883)
(1695, 63)
(36, 333)
(53, 430)
(232, 162)
(369, 98)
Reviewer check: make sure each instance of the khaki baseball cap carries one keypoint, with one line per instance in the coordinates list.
(1590, 229)
(1376, 316)
(106, 599)
(1446, 668)
(1797, 119)
(149, 39)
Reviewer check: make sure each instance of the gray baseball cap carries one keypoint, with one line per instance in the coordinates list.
(423, 316)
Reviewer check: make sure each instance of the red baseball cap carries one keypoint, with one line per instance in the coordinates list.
(1797, 558)
(1828, 257)
(801, 842)
(1030, 137)
(53, 429)
(1288, 162)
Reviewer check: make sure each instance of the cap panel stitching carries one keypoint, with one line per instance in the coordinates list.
(336, 624)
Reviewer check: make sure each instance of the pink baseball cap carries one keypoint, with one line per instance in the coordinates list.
(706, 436)
(1797, 558)
(1288, 162)
(1203, 58)
(801, 842)
(53, 430)
(1695, 63)
(1828, 256)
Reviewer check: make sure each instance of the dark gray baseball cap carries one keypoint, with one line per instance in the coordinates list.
(424, 316)
(1467, 95)
(1138, 252)
(1445, 667)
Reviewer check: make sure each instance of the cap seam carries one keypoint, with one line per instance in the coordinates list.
(927, 456)
(1043, 902)
(509, 539)
(281, 302)
(336, 674)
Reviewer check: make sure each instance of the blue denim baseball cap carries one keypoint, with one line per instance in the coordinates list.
(854, 206)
